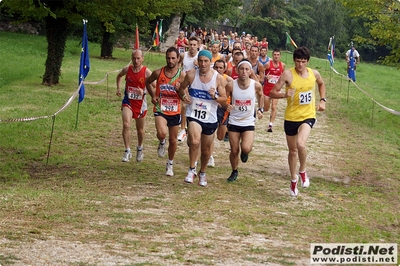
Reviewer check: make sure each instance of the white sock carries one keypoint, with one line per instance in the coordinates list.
(171, 162)
(128, 150)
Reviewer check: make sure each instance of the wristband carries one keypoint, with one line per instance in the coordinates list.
(261, 110)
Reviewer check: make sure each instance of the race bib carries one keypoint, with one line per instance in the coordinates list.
(305, 97)
(201, 110)
(273, 79)
(134, 93)
(169, 105)
(181, 49)
(242, 105)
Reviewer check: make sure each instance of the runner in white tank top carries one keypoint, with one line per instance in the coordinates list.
(206, 91)
(243, 91)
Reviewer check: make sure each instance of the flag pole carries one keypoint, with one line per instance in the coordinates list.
(51, 137)
(77, 116)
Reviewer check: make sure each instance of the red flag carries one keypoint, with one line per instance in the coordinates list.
(137, 38)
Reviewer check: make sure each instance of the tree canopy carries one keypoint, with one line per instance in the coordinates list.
(382, 19)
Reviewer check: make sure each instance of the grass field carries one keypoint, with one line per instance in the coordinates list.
(85, 207)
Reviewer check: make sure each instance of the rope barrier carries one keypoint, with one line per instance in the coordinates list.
(394, 112)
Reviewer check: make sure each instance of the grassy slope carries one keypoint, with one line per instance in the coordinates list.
(84, 189)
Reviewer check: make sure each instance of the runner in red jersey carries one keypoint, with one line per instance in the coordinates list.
(134, 103)
(272, 71)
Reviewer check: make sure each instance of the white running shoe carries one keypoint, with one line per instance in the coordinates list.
(191, 174)
(293, 187)
(169, 170)
(127, 156)
(139, 155)
(202, 180)
(161, 150)
(182, 135)
(211, 162)
(305, 181)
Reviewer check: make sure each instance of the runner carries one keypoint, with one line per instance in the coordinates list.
(241, 124)
(167, 105)
(134, 104)
(263, 58)
(300, 114)
(272, 72)
(181, 42)
(206, 91)
(189, 61)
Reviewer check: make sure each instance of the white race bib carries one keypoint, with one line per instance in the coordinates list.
(273, 79)
(201, 110)
(134, 93)
(242, 105)
(169, 105)
(305, 97)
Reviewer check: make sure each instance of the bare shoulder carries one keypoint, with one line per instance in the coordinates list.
(316, 74)
(123, 71)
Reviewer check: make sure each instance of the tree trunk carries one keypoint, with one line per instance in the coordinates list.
(106, 46)
(56, 34)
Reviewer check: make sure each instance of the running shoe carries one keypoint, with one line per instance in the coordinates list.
(269, 128)
(305, 181)
(211, 162)
(293, 187)
(161, 149)
(169, 169)
(182, 135)
(139, 155)
(191, 174)
(127, 156)
(244, 157)
(233, 176)
(202, 179)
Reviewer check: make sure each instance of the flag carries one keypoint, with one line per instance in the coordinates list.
(331, 50)
(351, 71)
(85, 63)
(137, 38)
(160, 31)
(156, 37)
(290, 40)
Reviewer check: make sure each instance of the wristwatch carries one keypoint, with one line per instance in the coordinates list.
(215, 96)
(261, 110)
(323, 99)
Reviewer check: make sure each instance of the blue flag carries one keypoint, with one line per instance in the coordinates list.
(351, 71)
(85, 63)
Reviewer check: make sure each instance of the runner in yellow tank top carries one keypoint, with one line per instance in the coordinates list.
(300, 114)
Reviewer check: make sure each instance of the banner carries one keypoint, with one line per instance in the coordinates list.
(290, 40)
(85, 62)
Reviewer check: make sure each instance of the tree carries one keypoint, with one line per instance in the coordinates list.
(383, 23)
(63, 15)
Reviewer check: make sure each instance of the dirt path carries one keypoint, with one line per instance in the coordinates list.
(269, 154)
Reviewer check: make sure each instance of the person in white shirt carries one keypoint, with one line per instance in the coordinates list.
(206, 90)
(241, 124)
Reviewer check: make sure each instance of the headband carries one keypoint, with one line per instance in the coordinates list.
(205, 53)
(245, 62)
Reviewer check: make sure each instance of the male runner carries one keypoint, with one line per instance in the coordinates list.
(300, 114)
(134, 103)
(206, 91)
(167, 105)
